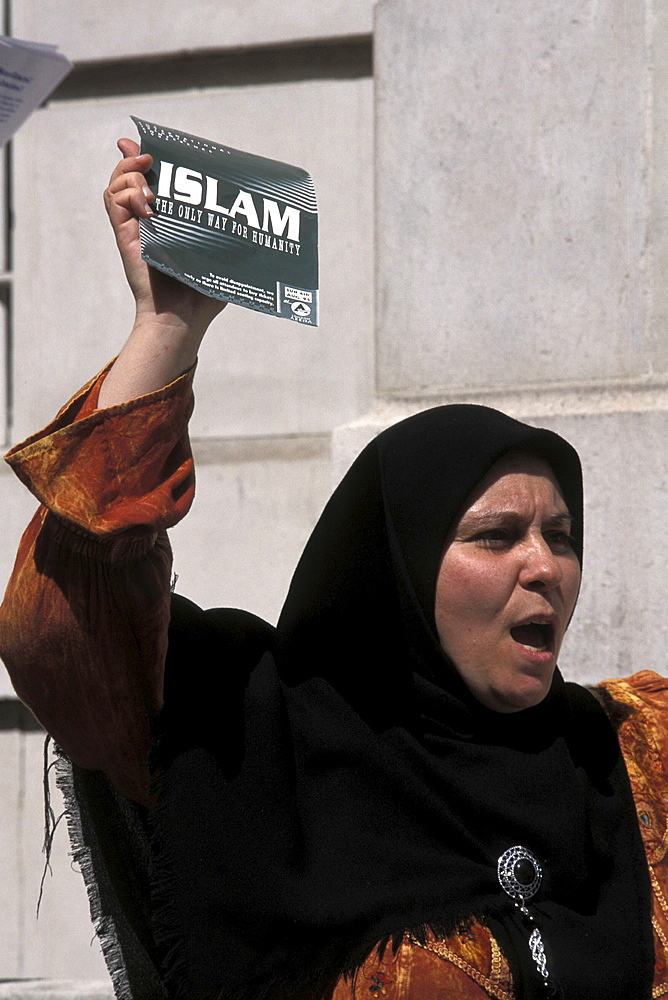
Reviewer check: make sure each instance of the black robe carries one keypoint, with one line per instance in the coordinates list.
(332, 783)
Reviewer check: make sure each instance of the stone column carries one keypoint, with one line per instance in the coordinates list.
(522, 258)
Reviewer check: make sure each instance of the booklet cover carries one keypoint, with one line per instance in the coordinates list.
(236, 226)
(29, 71)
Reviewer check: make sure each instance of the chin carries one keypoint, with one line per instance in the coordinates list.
(528, 694)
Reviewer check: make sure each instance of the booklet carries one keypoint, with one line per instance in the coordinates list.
(29, 71)
(233, 225)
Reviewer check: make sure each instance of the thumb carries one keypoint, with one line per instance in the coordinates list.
(128, 147)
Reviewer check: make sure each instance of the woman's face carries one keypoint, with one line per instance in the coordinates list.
(507, 585)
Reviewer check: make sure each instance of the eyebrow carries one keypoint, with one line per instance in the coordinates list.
(473, 520)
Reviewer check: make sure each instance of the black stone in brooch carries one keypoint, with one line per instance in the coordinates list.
(520, 873)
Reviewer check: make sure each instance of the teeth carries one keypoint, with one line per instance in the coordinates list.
(539, 639)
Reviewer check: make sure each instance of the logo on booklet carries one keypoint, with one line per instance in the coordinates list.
(300, 309)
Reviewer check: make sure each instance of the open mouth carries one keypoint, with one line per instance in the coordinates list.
(536, 635)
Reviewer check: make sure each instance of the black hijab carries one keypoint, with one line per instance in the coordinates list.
(333, 783)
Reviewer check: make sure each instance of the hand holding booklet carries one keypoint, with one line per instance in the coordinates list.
(235, 226)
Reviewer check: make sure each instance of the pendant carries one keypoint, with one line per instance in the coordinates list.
(520, 876)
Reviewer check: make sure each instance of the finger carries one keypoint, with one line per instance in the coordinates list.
(132, 199)
(128, 147)
(134, 179)
(141, 163)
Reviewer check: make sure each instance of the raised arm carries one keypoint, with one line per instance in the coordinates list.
(171, 319)
(83, 625)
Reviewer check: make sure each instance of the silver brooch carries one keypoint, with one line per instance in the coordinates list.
(519, 873)
(520, 876)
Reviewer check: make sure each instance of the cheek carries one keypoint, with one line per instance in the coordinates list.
(469, 593)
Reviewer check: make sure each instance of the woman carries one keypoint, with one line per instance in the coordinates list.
(394, 793)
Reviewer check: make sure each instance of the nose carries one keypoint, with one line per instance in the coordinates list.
(542, 569)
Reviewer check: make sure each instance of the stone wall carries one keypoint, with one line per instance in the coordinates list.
(522, 262)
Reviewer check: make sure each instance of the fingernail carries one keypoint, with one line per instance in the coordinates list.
(147, 191)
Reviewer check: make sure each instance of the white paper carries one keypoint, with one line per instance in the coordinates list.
(29, 71)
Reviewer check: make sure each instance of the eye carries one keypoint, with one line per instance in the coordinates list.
(559, 541)
(495, 538)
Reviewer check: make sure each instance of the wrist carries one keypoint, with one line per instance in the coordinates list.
(170, 327)
(157, 352)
